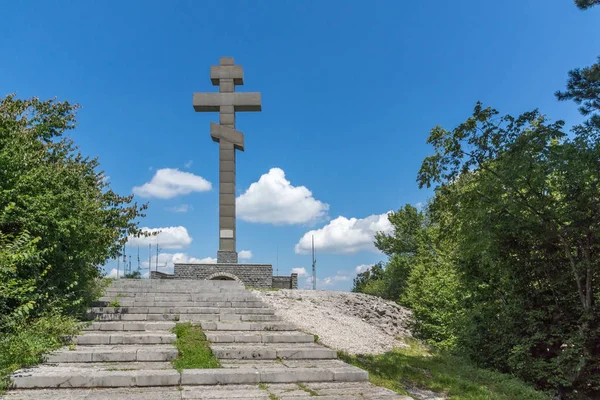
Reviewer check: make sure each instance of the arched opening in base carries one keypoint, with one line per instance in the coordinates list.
(223, 276)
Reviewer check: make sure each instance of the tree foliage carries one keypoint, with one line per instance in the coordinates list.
(583, 87)
(585, 4)
(59, 219)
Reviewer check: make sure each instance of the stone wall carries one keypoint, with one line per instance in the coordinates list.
(253, 275)
(285, 282)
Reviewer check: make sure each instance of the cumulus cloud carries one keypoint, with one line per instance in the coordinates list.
(112, 273)
(300, 271)
(346, 235)
(181, 208)
(168, 183)
(173, 237)
(341, 276)
(362, 268)
(274, 200)
(245, 254)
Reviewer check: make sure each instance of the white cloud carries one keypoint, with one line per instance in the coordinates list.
(362, 268)
(173, 237)
(188, 164)
(300, 271)
(340, 276)
(181, 208)
(274, 200)
(167, 183)
(112, 273)
(343, 235)
(245, 254)
(419, 206)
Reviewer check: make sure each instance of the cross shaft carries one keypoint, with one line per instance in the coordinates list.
(227, 75)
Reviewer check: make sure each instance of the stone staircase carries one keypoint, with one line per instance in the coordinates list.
(126, 352)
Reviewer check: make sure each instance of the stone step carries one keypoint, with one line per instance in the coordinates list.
(118, 366)
(210, 314)
(95, 338)
(181, 295)
(182, 298)
(200, 309)
(224, 302)
(282, 391)
(168, 291)
(66, 377)
(288, 363)
(113, 353)
(258, 337)
(271, 351)
(247, 326)
(131, 326)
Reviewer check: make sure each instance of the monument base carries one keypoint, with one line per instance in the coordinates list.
(227, 257)
(258, 276)
(254, 275)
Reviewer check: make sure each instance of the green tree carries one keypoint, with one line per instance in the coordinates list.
(523, 200)
(374, 273)
(61, 200)
(583, 87)
(585, 4)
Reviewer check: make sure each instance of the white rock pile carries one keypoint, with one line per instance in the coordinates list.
(353, 322)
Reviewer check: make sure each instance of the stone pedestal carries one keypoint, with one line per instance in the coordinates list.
(227, 257)
(252, 275)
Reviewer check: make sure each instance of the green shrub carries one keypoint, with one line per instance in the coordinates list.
(26, 343)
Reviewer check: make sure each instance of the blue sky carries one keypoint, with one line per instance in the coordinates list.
(350, 91)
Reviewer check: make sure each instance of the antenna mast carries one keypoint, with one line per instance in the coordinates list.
(156, 256)
(314, 265)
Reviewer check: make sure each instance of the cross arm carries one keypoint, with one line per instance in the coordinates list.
(234, 72)
(220, 132)
(243, 101)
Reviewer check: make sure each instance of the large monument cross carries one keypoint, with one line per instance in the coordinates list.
(227, 75)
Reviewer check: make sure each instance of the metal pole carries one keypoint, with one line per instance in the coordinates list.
(314, 263)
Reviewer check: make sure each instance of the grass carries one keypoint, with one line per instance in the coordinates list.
(26, 344)
(417, 366)
(194, 351)
(265, 387)
(307, 389)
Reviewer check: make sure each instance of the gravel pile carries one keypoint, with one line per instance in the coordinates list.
(353, 322)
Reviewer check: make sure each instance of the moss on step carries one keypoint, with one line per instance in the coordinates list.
(194, 350)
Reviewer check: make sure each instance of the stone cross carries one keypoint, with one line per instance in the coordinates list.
(226, 75)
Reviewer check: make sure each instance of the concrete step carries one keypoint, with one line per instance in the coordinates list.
(255, 351)
(225, 296)
(65, 377)
(258, 337)
(215, 302)
(247, 326)
(211, 314)
(118, 366)
(199, 309)
(166, 291)
(95, 338)
(282, 391)
(131, 326)
(113, 353)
